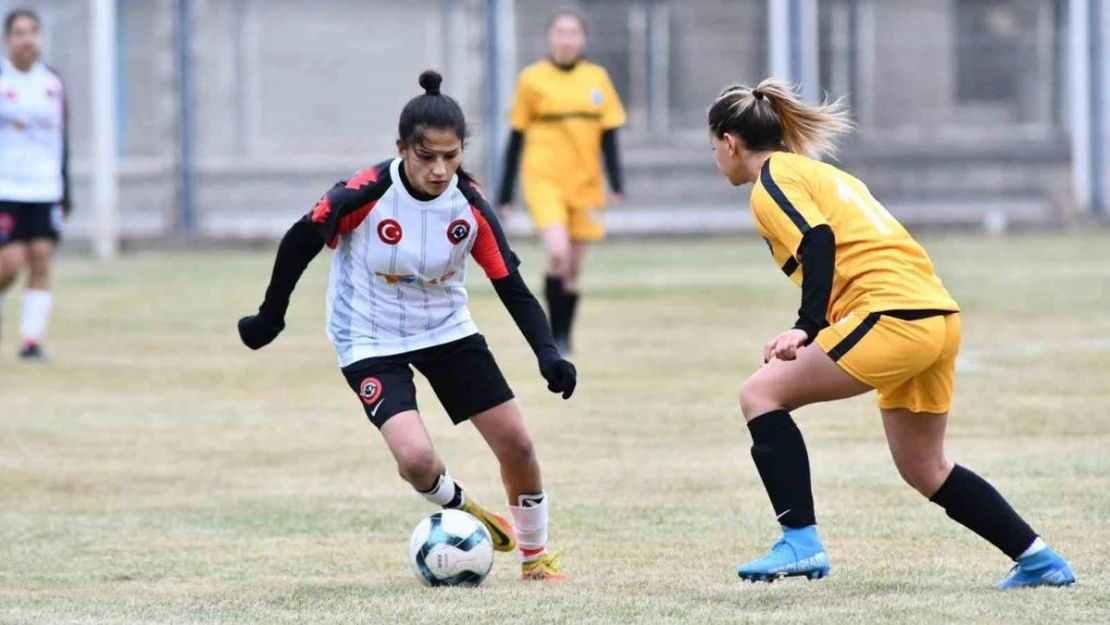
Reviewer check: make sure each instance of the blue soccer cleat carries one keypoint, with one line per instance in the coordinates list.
(1044, 568)
(799, 553)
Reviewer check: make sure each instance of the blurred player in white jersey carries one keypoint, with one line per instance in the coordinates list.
(34, 181)
(402, 231)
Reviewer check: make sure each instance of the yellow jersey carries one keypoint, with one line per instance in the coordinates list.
(879, 266)
(562, 114)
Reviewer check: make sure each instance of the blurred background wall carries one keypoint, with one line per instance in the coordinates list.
(962, 104)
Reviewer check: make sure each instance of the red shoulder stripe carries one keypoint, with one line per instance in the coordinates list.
(362, 178)
(486, 250)
(322, 210)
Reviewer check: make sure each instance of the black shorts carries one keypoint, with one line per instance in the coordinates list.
(30, 221)
(463, 374)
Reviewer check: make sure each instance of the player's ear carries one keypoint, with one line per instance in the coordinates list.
(400, 148)
(733, 144)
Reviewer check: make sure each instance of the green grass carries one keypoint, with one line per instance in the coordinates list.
(159, 472)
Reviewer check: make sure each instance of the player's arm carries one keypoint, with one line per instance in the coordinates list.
(611, 152)
(786, 208)
(818, 258)
(339, 211)
(491, 251)
(520, 117)
(67, 198)
(613, 117)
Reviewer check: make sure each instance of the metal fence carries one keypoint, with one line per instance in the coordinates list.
(234, 115)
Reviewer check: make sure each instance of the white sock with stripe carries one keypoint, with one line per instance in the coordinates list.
(446, 493)
(530, 523)
(37, 305)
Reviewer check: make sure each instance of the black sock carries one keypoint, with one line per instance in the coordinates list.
(570, 300)
(556, 298)
(972, 502)
(779, 452)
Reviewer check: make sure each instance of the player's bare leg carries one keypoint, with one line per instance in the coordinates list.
(557, 254)
(916, 441)
(780, 456)
(13, 258)
(420, 465)
(504, 430)
(37, 299)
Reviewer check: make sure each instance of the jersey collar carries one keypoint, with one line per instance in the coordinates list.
(396, 170)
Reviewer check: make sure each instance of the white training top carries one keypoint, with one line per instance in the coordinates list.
(32, 134)
(396, 282)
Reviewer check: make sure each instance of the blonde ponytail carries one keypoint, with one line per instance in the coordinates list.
(771, 117)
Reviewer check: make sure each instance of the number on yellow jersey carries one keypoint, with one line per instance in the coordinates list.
(869, 206)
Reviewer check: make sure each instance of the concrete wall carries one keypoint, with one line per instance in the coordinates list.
(293, 94)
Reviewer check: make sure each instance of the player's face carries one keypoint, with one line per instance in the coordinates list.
(23, 41)
(432, 160)
(566, 40)
(726, 152)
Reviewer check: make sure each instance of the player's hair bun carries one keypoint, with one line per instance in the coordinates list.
(430, 80)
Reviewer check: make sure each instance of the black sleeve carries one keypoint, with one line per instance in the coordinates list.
(297, 249)
(528, 315)
(510, 168)
(818, 256)
(612, 154)
(66, 196)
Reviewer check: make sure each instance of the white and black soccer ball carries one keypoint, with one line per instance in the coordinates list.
(450, 548)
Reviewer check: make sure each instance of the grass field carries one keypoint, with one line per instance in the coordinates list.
(159, 472)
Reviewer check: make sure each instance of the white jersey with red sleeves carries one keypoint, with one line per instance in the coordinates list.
(32, 134)
(397, 277)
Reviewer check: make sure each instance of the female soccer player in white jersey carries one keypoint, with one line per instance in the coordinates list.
(34, 185)
(396, 300)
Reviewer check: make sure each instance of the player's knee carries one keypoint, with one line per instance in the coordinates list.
(518, 451)
(757, 399)
(419, 467)
(925, 474)
(558, 262)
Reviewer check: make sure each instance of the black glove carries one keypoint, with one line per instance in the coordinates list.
(561, 376)
(257, 331)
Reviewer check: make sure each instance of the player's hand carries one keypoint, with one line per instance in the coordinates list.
(257, 332)
(561, 377)
(785, 346)
(615, 199)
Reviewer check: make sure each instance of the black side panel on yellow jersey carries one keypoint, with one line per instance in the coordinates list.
(780, 198)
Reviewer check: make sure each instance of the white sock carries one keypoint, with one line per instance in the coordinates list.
(446, 493)
(1037, 546)
(530, 523)
(36, 313)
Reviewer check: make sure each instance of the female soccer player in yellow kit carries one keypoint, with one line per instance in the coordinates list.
(564, 118)
(874, 315)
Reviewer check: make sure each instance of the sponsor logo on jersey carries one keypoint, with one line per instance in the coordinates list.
(443, 279)
(391, 278)
(458, 231)
(595, 95)
(370, 390)
(389, 231)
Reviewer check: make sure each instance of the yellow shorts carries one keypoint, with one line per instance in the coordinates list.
(549, 207)
(912, 364)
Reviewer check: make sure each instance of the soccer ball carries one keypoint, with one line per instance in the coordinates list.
(450, 548)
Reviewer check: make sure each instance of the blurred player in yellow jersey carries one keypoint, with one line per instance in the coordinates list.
(564, 119)
(874, 315)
